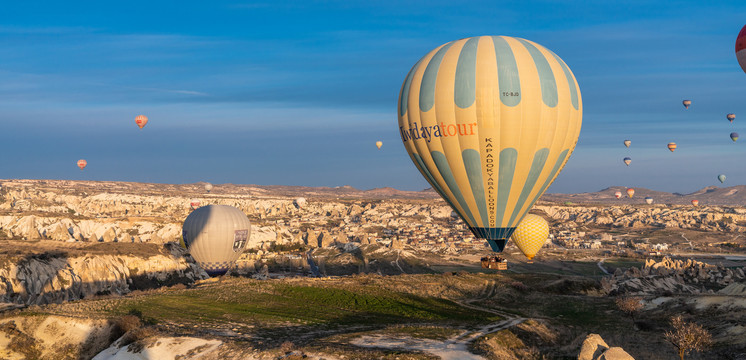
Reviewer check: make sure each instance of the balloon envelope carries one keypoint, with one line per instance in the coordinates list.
(379, 144)
(531, 234)
(695, 202)
(721, 177)
(216, 235)
(627, 143)
(82, 164)
(194, 204)
(731, 117)
(208, 187)
(672, 146)
(299, 202)
(734, 136)
(141, 120)
(648, 200)
(686, 103)
(489, 122)
(741, 48)
(618, 194)
(630, 192)
(627, 160)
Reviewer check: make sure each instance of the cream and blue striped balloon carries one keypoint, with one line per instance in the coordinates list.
(490, 121)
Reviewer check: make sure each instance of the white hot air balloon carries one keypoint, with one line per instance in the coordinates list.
(208, 187)
(216, 235)
(299, 202)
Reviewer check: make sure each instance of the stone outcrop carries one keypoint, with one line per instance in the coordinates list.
(54, 279)
(671, 276)
(595, 348)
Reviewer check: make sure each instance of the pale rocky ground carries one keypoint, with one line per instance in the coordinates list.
(51, 226)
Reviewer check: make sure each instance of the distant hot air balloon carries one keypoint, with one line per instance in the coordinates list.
(630, 192)
(741, 48)
(531, 234)
(489, 122)
(731, 117)
(672, 146)
(618, 194)
(216, 235)
(141, 120)
(627, 160)
(299, 202)
(648, 200)
(734, 136)
(627, 143)
(695, 202)
(721, 177)
(194, 204)
(687, 103)
(379, 144)
(82, 164)
(208, 187)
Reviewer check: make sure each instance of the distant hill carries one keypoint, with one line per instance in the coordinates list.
(711, 195)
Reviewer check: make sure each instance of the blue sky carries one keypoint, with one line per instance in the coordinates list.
(297, 92)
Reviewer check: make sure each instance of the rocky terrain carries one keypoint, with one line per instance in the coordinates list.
(95, 269)
(711, 195)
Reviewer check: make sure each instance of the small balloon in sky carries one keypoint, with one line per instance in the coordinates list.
(672, 146)
(630, 192)
(208, 187)
(734, 136)
(721, 177)
(618, 194)
(731, 117)
(82, 164)
(627, 160)
(741, 48)
(141, 120)
(695, 202)
(648, 200)
(627, 143)
(686, 103)
(379, 144)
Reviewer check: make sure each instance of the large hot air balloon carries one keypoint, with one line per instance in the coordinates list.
(734, 136)
(618, 194)
(379, 144)
(627, 160)
(695, 202)
(490, 121)
(741, 48)
(208, 187)
(648, 200)
(82, 164)
(721, 177)
(686, 103)
(141, 120)
(731, 117)
(672, 146)
(630, 192)
(531, 234)
(215, 236)
(627, 143)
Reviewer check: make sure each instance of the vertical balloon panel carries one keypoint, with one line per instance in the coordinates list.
(490, 121)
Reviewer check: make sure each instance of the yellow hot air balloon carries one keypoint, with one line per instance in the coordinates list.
(530, 235)
(490, 121)
(379, 144)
